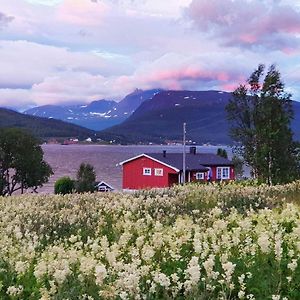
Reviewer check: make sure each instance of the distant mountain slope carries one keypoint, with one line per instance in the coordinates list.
(132, 101)
(94, 115)
(98, 114)
(160, 119)
(42, 127)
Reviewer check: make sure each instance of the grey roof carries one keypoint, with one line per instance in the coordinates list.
(198, 161)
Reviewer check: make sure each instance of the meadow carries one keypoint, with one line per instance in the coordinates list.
(190, 242)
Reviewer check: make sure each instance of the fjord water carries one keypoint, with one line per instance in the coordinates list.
(65, 160)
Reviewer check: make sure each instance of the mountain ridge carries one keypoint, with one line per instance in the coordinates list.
(97, 115)
(156, 116)
(160, 119)
(43, 127)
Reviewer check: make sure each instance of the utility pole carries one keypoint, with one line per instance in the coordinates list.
(183, 158)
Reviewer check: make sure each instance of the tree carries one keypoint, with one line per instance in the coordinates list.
(86, 178)
(260, 114)
(238, 166)
(21, 162)
(64, 185)
(222, 152)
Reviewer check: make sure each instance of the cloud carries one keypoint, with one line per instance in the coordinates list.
(177, 71)
(171, 71)
(5, 20)
(82, 13)
(257, 23)
(83, 50)
(24, 63)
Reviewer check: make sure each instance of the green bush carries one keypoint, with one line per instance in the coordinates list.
(64, 185)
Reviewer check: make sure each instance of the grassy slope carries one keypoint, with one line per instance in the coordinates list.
(42, 127)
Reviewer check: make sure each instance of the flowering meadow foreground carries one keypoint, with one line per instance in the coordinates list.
(192, 242)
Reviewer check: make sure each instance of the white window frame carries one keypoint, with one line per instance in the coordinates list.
(199, 175)
(159, 172)
(147, 171)
(221, 174)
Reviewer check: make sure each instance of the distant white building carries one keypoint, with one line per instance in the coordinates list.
(103, 187)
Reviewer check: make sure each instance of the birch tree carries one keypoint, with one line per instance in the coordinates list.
(260, 114)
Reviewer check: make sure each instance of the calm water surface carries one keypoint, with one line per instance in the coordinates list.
(65, 160)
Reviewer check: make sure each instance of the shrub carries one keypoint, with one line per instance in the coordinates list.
(64, 185)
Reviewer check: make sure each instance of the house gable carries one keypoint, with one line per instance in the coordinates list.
(150, 157)
(144, 172)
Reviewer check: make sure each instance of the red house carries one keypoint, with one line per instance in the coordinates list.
(159, 170)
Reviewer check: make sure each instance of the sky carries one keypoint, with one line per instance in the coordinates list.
(77, 51)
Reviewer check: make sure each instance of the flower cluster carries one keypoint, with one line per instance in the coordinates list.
(187, 242)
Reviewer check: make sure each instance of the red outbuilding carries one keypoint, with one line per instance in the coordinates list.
(159, 170)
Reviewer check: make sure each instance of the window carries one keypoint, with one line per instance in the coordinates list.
(102, 189)
(147, 171)
(223, 172)
(158, 172)
(199, 176)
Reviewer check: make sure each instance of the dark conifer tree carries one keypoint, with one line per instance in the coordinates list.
(86, 177)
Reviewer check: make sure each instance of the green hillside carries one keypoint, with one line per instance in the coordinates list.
(42, 127)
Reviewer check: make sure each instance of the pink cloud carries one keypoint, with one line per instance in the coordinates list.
(188, 74)
(247, 23)
(229, 87)
(82, 13)
(248, 38)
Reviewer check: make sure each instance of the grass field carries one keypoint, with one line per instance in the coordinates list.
(193, 242)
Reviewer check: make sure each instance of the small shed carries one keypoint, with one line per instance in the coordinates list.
(103, 187)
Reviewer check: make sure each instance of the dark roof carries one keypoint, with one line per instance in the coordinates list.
(198, 161)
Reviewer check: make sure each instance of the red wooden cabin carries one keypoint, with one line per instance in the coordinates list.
(159, 170)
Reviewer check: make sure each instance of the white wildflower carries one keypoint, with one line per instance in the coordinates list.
(14, 291)
(21, 267)
(277, 247)
(293, 265)
(100, 274)
(87, 265)
(123, 295)
(241, 294)
(60, 275)
(147, 252)
(40, 270)
(162, 279)
(209, 266)
(73, 238)
(263, 242)
(229, 269)
(192, 274)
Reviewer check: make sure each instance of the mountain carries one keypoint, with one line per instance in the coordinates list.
(132, 101)
(42, 127)
(98, 114)
(160, 119)
(95, 115)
